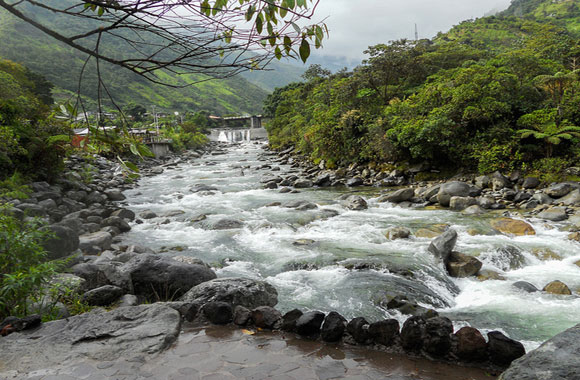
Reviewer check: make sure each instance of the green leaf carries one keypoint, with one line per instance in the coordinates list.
(101, 11)
(287, 44)
(291, 3)
(278, 53)
(296, 28)
(304, 50)
(259, 24)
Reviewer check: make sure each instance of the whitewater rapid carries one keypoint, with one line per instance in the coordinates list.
(319, 273)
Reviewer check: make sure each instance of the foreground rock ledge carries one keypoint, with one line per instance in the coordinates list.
(556, 359)
(124, 332)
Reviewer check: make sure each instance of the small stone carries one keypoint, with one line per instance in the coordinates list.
(395, 233)
(242, 315)
(557, 287)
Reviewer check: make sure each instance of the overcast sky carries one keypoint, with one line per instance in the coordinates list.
(356, 24)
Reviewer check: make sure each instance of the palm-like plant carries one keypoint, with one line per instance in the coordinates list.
(542, 125)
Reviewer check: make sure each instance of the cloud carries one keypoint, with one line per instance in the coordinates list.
(356, 24)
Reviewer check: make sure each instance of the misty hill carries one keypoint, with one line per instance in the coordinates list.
(61, 65)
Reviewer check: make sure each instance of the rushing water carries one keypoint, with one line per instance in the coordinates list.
(320, 275)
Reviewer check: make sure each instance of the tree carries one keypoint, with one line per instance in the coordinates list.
(215, 37)
(556, 85)
(544, 125)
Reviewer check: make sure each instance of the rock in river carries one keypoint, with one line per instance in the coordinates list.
(556, 359)
(512, 227)
(125, 332)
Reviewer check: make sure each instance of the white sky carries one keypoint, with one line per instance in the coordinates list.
(356, 24)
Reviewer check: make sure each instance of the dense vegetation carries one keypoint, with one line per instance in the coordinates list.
(497, 93)
(62, 66)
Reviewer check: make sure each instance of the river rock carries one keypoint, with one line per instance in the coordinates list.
(358, 328)
(117, 222)
(226, 224)
(289, 320)
(237, 291)
(147, 214)
(355, 181)
(218, 313)
(115, 195)
(572, 199)
(451, 189)
(303, 183)
(355, 202)
(124, 213)
(412, 333)
(64, 241)
(499, 181)
(557, 287)
(471, 345)
(555, 214)
(560, 189)
(395, 233)
(531, 183)
(96, 242)
(555, 359)
(384, 332)
(160, 278)
(502, 349)
(487, 274)
(461, 203)
(333, 327)
(242, 315)
(309, 323)
(398, 196)
(442, 246)
(122, 333)
(482, 181)
(102, 296)
(525, 286)
(437, 339)
(574, 236)
(430, 192)
(266, 317)
(460, 265)
(510, 226)
(474, 210)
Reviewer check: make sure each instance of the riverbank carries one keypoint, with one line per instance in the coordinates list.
(214, 209)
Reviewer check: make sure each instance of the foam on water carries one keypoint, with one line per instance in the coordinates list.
(314, 275)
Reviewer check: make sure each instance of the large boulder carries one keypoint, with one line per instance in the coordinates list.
(309, 323)
(560, 189)
(162, 278)
(443, 245)
(96, 242)
(358, 328)
(102, 296)
(63, 242)
(266, 317)
(557, 287)
(461, 203)
(398, 196)
(556, 359)
(355, 202)
(572, 199)
(554, 214)
(333, 327)
(510, 226)
(471, 345)
(461, 265)
(125, 332)
(502, 349)
(236, 291)
(452, 189)
(438, 332)
(97, 274)
(384, 332)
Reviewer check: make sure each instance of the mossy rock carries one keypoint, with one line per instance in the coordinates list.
(575, 236)
(557, 287)
(432, 231)
(486, 275)
(545, 254)
(511, 226)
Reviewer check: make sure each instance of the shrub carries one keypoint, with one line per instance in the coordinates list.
(23, 266)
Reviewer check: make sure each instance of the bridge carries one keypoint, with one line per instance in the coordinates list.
(233, 134)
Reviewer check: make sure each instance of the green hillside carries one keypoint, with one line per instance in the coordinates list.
(62, 65)
(495, 93)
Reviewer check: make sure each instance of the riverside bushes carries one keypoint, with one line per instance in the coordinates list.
(468, 99)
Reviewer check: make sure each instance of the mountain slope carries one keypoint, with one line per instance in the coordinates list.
(62, 66)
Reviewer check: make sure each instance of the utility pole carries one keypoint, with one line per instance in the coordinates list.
(155, 120)
(416, 33)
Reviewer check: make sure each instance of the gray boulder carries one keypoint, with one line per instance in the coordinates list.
(227, 224)
(96, 242)
(356, 181)
(555, 214)
(102, 273)
(525, 286)
(482, 181)
(303, 183)
(542, 199)
(115, 195)
(499, 181)
(531, 183)
(147, 214)
(461, 265)
(572, 199)
(443, 245)
(160, 278)
(102, 296)
(63, 242)
(395, 233)
(126, 332)
(117, 222)
(236, 291)
(560, 189)
(452, 189)
(556, 359)
(398, 196)
(124, 213)
(461, 203)
(355, 202)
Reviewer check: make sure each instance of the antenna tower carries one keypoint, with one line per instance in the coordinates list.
(416, 33)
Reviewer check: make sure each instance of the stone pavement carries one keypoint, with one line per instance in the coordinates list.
(223, 353)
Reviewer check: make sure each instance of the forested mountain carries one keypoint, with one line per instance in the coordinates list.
(496, 93)
(61, 65)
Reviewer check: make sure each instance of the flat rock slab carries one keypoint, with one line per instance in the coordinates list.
(224, 353)
(123, 333)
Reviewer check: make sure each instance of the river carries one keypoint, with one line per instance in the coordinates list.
(310, 256)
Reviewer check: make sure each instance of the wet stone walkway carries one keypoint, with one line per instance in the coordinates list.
(224, 353)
